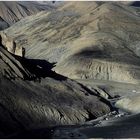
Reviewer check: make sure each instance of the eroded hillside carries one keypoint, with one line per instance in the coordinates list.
(85, 40)
(94, 43)
(11, 11)
(34, 97)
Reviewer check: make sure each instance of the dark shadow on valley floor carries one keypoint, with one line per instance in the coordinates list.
(40, 68)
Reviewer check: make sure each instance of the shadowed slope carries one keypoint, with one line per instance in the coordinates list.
(43, 99)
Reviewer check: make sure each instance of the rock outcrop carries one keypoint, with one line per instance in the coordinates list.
(11, 67)
(11, 45)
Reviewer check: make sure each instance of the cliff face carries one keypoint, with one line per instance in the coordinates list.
(85, 40)
(11, 46)
(11, 67)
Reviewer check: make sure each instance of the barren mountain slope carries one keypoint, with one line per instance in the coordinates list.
(32, 96)
(85, 40)
(13, 11)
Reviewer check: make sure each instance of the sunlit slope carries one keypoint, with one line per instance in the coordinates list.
(13, 11)
(85, 40)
